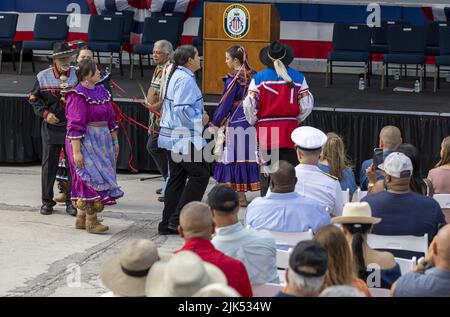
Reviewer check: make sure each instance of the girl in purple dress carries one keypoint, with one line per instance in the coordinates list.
(92, 147)
(237, 165)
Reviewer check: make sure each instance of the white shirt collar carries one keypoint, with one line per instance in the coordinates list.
(308, 167)
(229, 229)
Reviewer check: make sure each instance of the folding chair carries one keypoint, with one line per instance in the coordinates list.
(406, 46)
(48, 29)
(351, 43)
(380, 36)
(155, 29)
(346, 196)
(406, 265)
(128, 23)
(406, 243)
(380, 292)
(432, 29)
(8, 25)
(105, 34)
(443, 60)
(359, 195)
(444, 202)
(285, 242)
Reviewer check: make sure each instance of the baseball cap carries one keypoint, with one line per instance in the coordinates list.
(398, 165)
(309, 254)
(308, 138)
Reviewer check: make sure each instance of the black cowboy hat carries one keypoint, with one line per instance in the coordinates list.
(62, 50)
(276, 50)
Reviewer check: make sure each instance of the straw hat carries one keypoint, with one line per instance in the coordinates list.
(356, 213)
(125, 273)
(182, 276)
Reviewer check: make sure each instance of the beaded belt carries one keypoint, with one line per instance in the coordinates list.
(98, 124)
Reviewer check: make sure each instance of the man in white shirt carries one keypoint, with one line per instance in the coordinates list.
(256, 249)
(311, 181)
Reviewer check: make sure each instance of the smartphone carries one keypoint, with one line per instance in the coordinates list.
(377, 157)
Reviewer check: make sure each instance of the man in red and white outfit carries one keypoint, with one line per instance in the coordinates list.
(278, 101)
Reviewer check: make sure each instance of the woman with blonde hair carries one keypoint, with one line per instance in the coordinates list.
(334, 161)
(341, 268)
(440, 175)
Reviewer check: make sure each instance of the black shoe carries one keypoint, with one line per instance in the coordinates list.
(46, 209)
(159, 191)
(161, 199)
(167, 231)
(71, 210)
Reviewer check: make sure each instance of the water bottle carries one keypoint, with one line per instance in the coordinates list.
(397, 76)
(417, 86)
(361, 84)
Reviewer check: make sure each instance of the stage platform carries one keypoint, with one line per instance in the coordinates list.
(424, 118)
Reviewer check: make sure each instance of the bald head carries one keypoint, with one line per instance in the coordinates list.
(196, 221)
(390, 138)
(443, 244)
(283, 178)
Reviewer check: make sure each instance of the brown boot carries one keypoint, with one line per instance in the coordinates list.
(93, 226)
(80, 222)
(63, 189)
(242, 199)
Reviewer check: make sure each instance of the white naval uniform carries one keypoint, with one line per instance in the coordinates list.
(322, 187)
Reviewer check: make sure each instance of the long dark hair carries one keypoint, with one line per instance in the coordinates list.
(181, 57)
(416, 183)
(358, 231)
(85, 68)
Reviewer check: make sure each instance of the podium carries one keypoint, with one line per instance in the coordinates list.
(252, 26)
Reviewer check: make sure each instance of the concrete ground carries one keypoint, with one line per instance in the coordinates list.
(46, 256)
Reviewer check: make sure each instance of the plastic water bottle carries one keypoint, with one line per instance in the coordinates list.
(417, 86)
(397, 76)
(361, 84)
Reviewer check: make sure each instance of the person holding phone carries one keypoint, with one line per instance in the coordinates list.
(390, 139)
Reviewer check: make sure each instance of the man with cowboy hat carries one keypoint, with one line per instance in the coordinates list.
(278, 100)
(47, 99)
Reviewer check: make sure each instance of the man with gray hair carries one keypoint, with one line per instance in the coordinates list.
(305, 275)
(162, 55)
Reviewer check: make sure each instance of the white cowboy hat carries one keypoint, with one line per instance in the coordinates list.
(182, 276)
(356, 213)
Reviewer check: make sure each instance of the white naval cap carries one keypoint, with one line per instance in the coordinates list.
(308, 138)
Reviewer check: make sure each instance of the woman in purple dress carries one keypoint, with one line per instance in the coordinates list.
(236, 165)
(92, 147)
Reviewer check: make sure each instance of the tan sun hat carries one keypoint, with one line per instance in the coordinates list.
(125, 273)
(356, 213)
(182, 276)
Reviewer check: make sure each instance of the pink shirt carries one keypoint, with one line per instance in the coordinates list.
(440, 177)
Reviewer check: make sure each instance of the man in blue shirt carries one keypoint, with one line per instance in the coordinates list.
(390, 139)
(431, 277)
(181, 135)
(403, 212)
(283, 209)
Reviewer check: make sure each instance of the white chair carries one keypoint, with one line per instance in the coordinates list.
(407, 243)
(285, 242)
(266, 290)
(380, 292)
(406, 265)
(443, 200)
(282, 276)
(346, 196)
(358, 195)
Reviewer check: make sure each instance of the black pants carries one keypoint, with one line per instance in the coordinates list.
(158, 155)
(187, 182)
(284, 154)
(50, 160)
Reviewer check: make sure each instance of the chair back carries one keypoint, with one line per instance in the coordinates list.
(406, 265)
(8, 25)
(167, 28)
(291, 238)
(51, 27)
(443, 199)
(380, 292)
(406, 39)
(380, 34)
(346, 196)
(128, 19)
(105, 28)
(359, 194)
(406, 243)
(351, 37)
(444, 41)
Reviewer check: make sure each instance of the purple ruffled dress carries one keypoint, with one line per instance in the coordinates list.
(238, 166)
(90, 118)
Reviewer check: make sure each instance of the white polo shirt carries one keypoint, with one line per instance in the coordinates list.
(317, 185)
